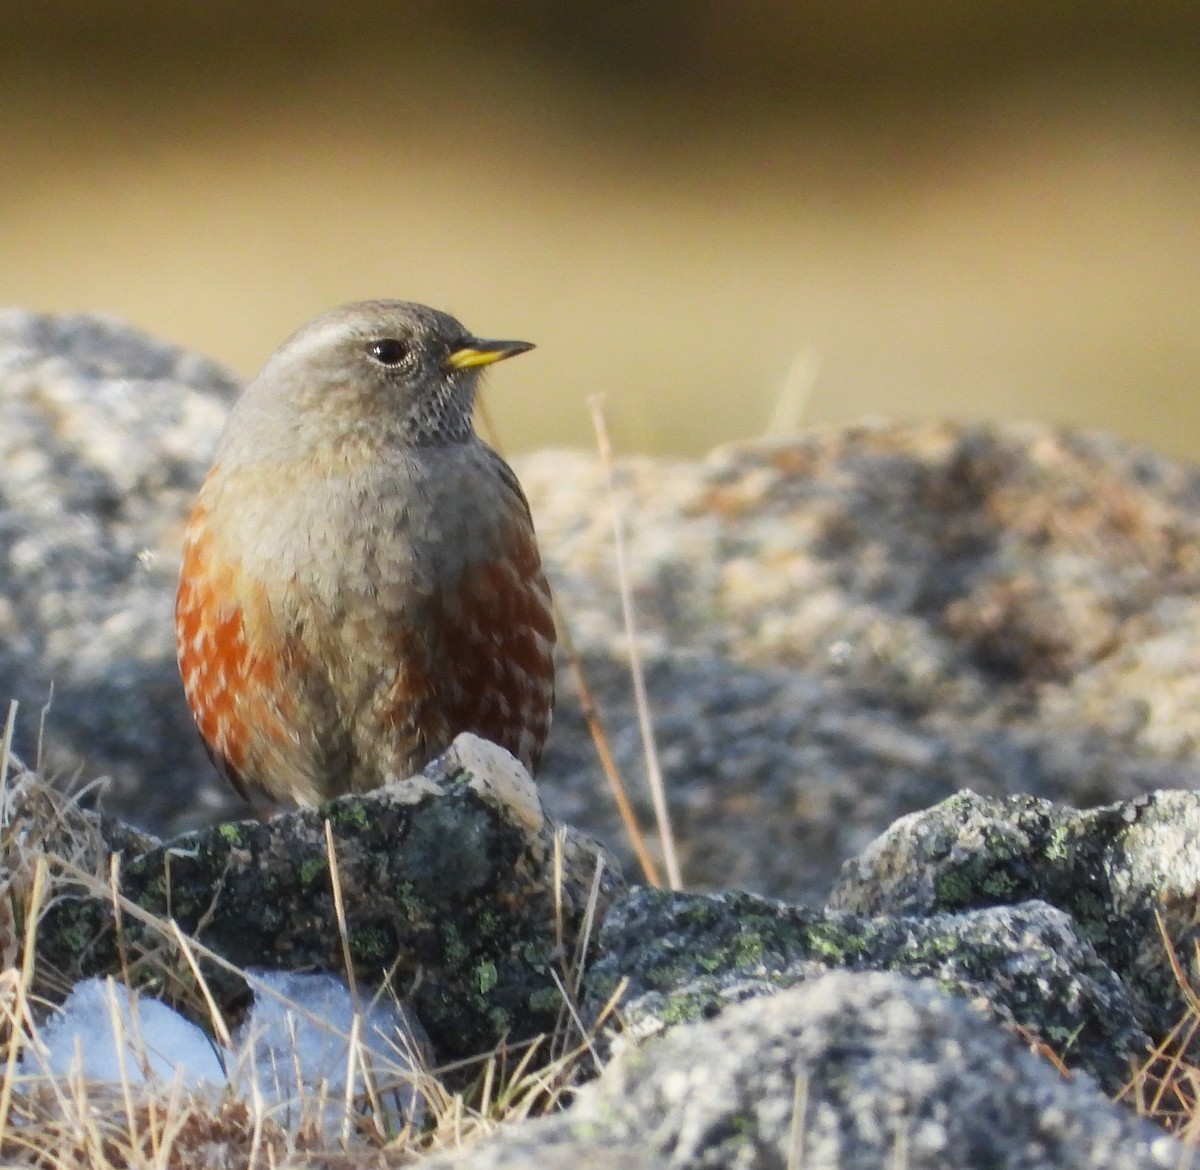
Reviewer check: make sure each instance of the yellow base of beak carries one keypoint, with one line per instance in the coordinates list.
(483, 353)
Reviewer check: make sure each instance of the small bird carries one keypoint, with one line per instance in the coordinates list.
(360, 578)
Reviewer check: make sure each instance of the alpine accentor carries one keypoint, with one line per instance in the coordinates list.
(360, 577)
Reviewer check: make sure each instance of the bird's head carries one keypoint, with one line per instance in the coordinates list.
(392, 370)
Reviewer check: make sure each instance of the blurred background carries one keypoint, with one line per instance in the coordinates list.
(729, 217)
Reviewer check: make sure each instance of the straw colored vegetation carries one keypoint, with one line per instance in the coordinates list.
(49, 848)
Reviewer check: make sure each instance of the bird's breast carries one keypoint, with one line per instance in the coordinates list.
(396, 532)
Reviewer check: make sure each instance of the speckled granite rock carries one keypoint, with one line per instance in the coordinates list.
(105, 434)
(846, 1072)
(1048, 917)
(1119, 871)
(855, 624)
(553, 1147)
(684, 957)
(838, 629)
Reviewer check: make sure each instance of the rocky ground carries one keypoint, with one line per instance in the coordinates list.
(838, 630)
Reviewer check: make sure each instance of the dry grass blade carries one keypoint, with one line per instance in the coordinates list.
(591, 712)
(6, 758)
(570, 1001)
(649, 746)
(339, 909)
(1042, 1049)
(795, 1159)
(608, 763)
(214, 1013)
(123, 1048)
(36, 898)
(354, 1048)
(353, 1051)
(560, 834)
(43, 715)
(66, 1121)
(791, 404)
(1166, 1086)
(589, 923)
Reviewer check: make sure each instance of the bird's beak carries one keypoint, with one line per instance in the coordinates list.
(483, 353)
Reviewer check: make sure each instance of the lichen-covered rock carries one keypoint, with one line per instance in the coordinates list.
(1118, 871)
(453, 884)
(684, 957)
(846, 1072)
(837, 629)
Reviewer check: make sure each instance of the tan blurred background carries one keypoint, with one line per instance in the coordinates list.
(719, 212)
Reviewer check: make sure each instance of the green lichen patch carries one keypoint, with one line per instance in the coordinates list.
(312, 868)
(486, 976)
(233, 833)
(685, 957)
(462, 907)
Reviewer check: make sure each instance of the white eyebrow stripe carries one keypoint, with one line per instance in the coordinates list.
(317, 336)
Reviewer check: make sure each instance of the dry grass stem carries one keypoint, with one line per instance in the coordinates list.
(795, 1159)
(791, 403)
(43, 715)
(645, 724)
(37, 897)
(1166, 1085)
(608, 763)
(560, 834)
(591, 712)
(6, 758)
(339, 909)
(66, 1121)
(589, 922)
(214, 1013)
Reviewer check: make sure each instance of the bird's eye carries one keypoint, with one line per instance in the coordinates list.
(388, 351)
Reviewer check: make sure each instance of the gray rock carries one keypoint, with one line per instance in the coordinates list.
(844, 1072)
(552, 1147)
(1118, 871)
(855, 624)
(105, 438)
(838, 629)
(455, 887)
(684, 957)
